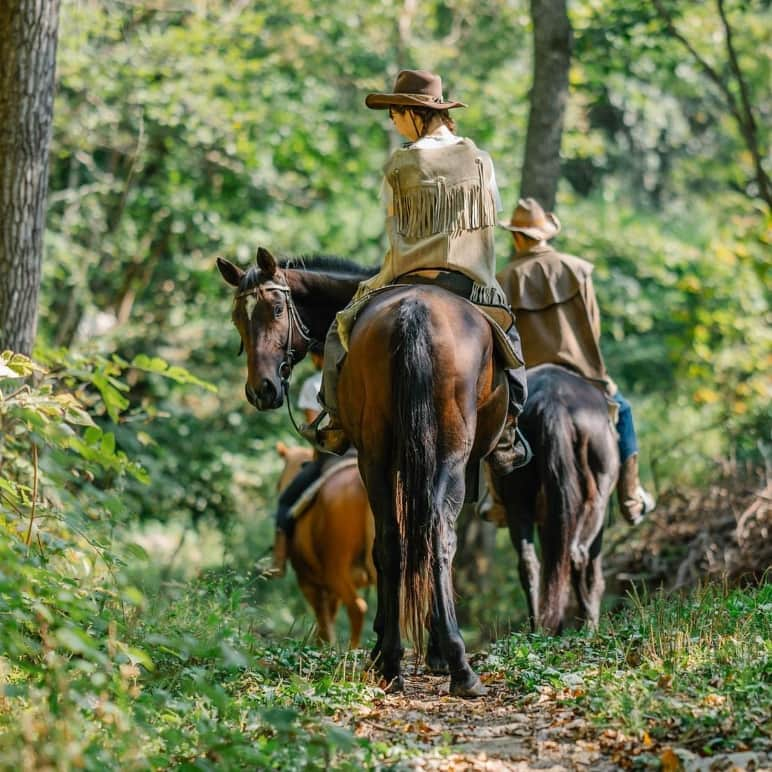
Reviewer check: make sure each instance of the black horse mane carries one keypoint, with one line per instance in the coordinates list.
(318, 263)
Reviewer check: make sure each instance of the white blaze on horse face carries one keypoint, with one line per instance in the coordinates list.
(250, 304)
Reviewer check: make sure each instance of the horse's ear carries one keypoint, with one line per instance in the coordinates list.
(230, 272)
(281, 449)
(266, 262)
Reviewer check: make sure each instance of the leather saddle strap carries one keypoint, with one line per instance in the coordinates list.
(452, 281)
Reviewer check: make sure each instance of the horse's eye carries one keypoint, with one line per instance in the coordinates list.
(277, 311)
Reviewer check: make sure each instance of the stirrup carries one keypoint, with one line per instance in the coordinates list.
(505, 458)
(526, 446)
(648, 503)
(324, 438)
(310, 431)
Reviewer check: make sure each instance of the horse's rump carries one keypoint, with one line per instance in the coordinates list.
(301, 506)
(566, 487)
(419, 397)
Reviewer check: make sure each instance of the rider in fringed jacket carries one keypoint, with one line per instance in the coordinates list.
(441, 204)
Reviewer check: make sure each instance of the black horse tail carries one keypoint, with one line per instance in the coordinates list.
(415, 463)
(562, 491)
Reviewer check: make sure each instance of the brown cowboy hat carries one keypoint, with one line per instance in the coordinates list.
(413, 88)
(529, 218)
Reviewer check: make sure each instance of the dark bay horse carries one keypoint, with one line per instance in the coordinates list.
(420, 397)
(331, 544)
(563, 493)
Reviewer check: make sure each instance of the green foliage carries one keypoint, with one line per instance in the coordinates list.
(102, 673)
(182, 133)
(691, 669)
(647, 115)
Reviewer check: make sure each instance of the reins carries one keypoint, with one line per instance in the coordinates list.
(295, 321)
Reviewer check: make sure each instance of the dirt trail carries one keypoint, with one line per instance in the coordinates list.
(501, 731)
(507, 731)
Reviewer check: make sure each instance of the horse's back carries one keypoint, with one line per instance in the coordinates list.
(335, 532)
(557, 395)
(457, 358)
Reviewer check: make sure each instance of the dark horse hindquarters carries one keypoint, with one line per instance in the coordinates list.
(417, 395)
(565, 492)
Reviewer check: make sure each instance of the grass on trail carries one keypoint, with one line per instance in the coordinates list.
(691, 670)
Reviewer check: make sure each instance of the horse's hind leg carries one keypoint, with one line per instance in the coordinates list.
(378, 625)
(519, 494)
(388, 651)
(589, 584)
(588, 575)
(344, 589)
(464, 682)
(521, 533)
(435, 661)
(318, 598)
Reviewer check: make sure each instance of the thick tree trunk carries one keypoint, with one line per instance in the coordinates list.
(28, 35)
(552, 44)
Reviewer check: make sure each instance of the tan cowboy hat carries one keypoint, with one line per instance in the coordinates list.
(413, 88)
(529, 218)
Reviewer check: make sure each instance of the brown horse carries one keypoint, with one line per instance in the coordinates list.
(420, 397)
(331, 544)
(563, 493)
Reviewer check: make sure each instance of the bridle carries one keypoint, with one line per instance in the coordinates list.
(294, 323)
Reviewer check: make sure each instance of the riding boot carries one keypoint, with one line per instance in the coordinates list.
(492, 508)
(279, 554)
(512, 449)
(634, 501)
(329, 438)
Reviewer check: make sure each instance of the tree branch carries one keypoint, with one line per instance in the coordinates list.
(742, 113)
(709, 71)
(750, 122)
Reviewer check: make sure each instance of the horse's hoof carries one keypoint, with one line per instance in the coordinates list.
(396, 685)
(470, 689)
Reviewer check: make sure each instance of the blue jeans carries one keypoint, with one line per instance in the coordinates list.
(628, 443)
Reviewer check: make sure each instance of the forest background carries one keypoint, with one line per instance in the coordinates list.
(135, 475)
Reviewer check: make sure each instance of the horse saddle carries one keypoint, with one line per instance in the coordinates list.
(309, 494)
(500, 317)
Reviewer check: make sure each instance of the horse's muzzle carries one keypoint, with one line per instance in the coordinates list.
(266, 397)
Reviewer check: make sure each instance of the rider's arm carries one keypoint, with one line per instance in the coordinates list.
(591, 303)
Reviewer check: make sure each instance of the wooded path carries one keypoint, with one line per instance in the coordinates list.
(509, 731)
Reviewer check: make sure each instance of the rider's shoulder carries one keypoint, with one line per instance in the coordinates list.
(577, 265)
(549, 261)
(544, 278)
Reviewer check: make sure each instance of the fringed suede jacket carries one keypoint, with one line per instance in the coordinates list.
(441, 215)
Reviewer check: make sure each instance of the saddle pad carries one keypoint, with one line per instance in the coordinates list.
(309, 494)
(505, 353)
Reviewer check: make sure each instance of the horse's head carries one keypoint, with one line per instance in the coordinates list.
(272, 332)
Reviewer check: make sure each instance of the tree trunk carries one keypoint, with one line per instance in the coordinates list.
(28, 35)
(552, 44)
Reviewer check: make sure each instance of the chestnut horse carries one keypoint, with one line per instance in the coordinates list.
(331, 544)
(563, 493)
(420, 397)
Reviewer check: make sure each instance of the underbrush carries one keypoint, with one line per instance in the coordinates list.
(112, 659)
(691, 669)
(98, 669)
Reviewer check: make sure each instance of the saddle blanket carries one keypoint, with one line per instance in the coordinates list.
(308, 495)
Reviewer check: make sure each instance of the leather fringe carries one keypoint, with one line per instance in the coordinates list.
(429, 210)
